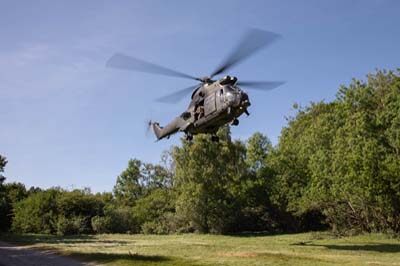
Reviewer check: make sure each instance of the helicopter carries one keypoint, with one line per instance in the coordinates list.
(214, 102)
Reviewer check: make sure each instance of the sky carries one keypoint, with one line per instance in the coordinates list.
(67, 120)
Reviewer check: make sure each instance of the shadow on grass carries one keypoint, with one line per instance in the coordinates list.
(384, 248)
(29, 239)
(254, 234)
(273, 233)
(130, 259)
(388, 248)
(98, 257)
(112, 257)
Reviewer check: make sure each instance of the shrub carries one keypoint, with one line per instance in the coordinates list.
(122, 219)
(72, 226)
(102, 224)
(37, 213)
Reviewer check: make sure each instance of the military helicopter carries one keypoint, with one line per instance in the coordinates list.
(214, 103)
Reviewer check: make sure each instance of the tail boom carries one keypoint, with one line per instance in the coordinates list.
(168, 130)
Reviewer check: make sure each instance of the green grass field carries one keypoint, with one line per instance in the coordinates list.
(193, 249)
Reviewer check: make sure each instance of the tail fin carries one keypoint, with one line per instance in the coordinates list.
(168, 130)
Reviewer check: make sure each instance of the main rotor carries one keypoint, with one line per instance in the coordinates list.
(251, 42)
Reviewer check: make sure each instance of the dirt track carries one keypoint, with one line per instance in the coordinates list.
(11, 255)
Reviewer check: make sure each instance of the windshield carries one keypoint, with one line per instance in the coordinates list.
(229, 88)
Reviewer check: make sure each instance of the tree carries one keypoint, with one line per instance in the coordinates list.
(152, 212)
(341, 158)
(208, 177)
(58, 211)
(129, 186)
(258, 214)
(139, 179)
(121, 217)
(37, 213)
(75, 210)
(13, 193)
(3, 163)
(3, 200)
(257, 148)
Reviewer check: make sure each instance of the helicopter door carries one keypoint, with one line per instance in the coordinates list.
(209, 105)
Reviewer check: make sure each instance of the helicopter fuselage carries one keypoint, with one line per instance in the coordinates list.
(213, 105)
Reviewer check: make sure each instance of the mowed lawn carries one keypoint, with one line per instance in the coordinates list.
(194, 249)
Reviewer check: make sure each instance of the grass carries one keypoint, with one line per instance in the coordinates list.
(192, 249)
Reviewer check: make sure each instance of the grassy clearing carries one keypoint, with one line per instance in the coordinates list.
(192, 249)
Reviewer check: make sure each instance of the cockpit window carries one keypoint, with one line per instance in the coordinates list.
(229, 88)
(228, 80)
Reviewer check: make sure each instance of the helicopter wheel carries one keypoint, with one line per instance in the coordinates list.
(214, 138)
(235, 122)
(189, 137)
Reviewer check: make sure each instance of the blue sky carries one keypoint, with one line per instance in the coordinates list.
(68, 121)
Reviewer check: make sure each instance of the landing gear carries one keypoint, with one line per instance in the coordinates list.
(214, 138)
(235, 122)
(189, 137)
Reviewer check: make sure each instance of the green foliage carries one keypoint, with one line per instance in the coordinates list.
(12, 193)
(15, 192)
(80, 203)
(208, 179)
(257, 149)
(152, 210)
(102, 224)
(336, 164)
(145, 191)
(129, 184)
(74, 225)
(3, 162)
(226, 186)
(139, 179)
(258, 213)
(58, 211)
(3, 200)
(342, 158)
(37, 213)
(122, 218)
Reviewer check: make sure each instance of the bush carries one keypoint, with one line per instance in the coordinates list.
(72, 226)
(168, 223)
(56, 211)
(37, 213)
(342, 158)
(102, 224)
(122, 219)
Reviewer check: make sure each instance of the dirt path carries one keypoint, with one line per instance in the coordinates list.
(11, 255)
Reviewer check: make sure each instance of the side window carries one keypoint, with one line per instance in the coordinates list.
(185, 115)
(221, 96)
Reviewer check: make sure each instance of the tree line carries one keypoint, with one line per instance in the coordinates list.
(336, 166)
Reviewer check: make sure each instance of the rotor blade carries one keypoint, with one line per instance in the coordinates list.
(122, 61)
(260, 85)
(251, 42)
(176, 96)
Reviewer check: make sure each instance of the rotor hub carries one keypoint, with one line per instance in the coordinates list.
(206, 79)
